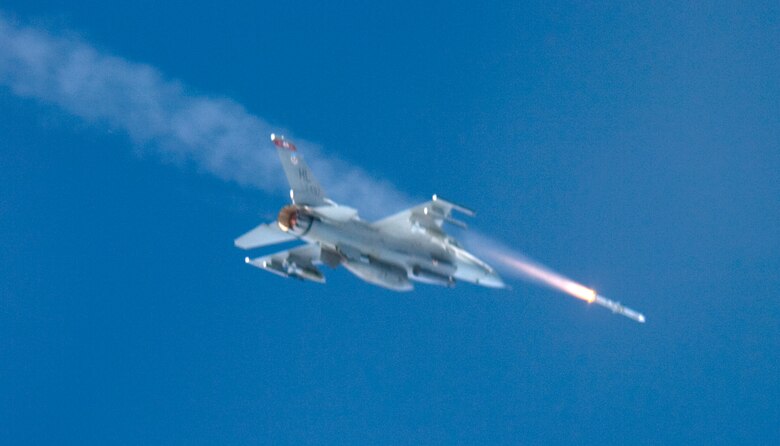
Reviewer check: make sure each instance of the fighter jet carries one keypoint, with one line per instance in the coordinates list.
(410, 246)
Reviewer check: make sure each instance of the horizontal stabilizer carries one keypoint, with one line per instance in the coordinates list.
(263, 235)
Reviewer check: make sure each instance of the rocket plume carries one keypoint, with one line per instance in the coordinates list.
(520, 266)
(537, 273)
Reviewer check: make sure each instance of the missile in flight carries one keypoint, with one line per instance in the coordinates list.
(616, 307)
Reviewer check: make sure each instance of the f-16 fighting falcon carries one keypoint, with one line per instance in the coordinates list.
(410, 246)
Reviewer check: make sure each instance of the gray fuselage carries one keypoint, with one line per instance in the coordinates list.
(423, 257)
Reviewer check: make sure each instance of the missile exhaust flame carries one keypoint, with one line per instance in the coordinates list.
(540, 274)
(517, 265)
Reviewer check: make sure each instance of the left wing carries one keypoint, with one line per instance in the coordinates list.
(297, 262)
(429, 216)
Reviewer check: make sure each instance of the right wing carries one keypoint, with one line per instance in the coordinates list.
(263, 235)
(304, 188)
(297, 262)
(429, 216)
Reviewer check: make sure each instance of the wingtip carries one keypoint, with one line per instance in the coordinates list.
(462, 209)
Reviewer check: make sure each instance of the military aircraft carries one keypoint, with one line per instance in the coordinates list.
(392, 252)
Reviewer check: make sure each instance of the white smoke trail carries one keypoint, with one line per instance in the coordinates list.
(219, 135)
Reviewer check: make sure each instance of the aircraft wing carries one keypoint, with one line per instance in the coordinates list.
(263, 235)
(429, 216)
(297, 262)
(304, 188)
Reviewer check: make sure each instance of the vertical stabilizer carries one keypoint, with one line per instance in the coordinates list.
(304, 188)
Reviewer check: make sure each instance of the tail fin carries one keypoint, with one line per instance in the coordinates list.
(304, 188)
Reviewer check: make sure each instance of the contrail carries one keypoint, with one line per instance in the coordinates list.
(217, 134)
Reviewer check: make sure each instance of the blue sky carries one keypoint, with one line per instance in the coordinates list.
(632, 147)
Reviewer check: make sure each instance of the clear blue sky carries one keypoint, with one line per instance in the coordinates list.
(635, 148)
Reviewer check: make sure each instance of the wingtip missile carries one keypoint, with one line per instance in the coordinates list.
(616, 307)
